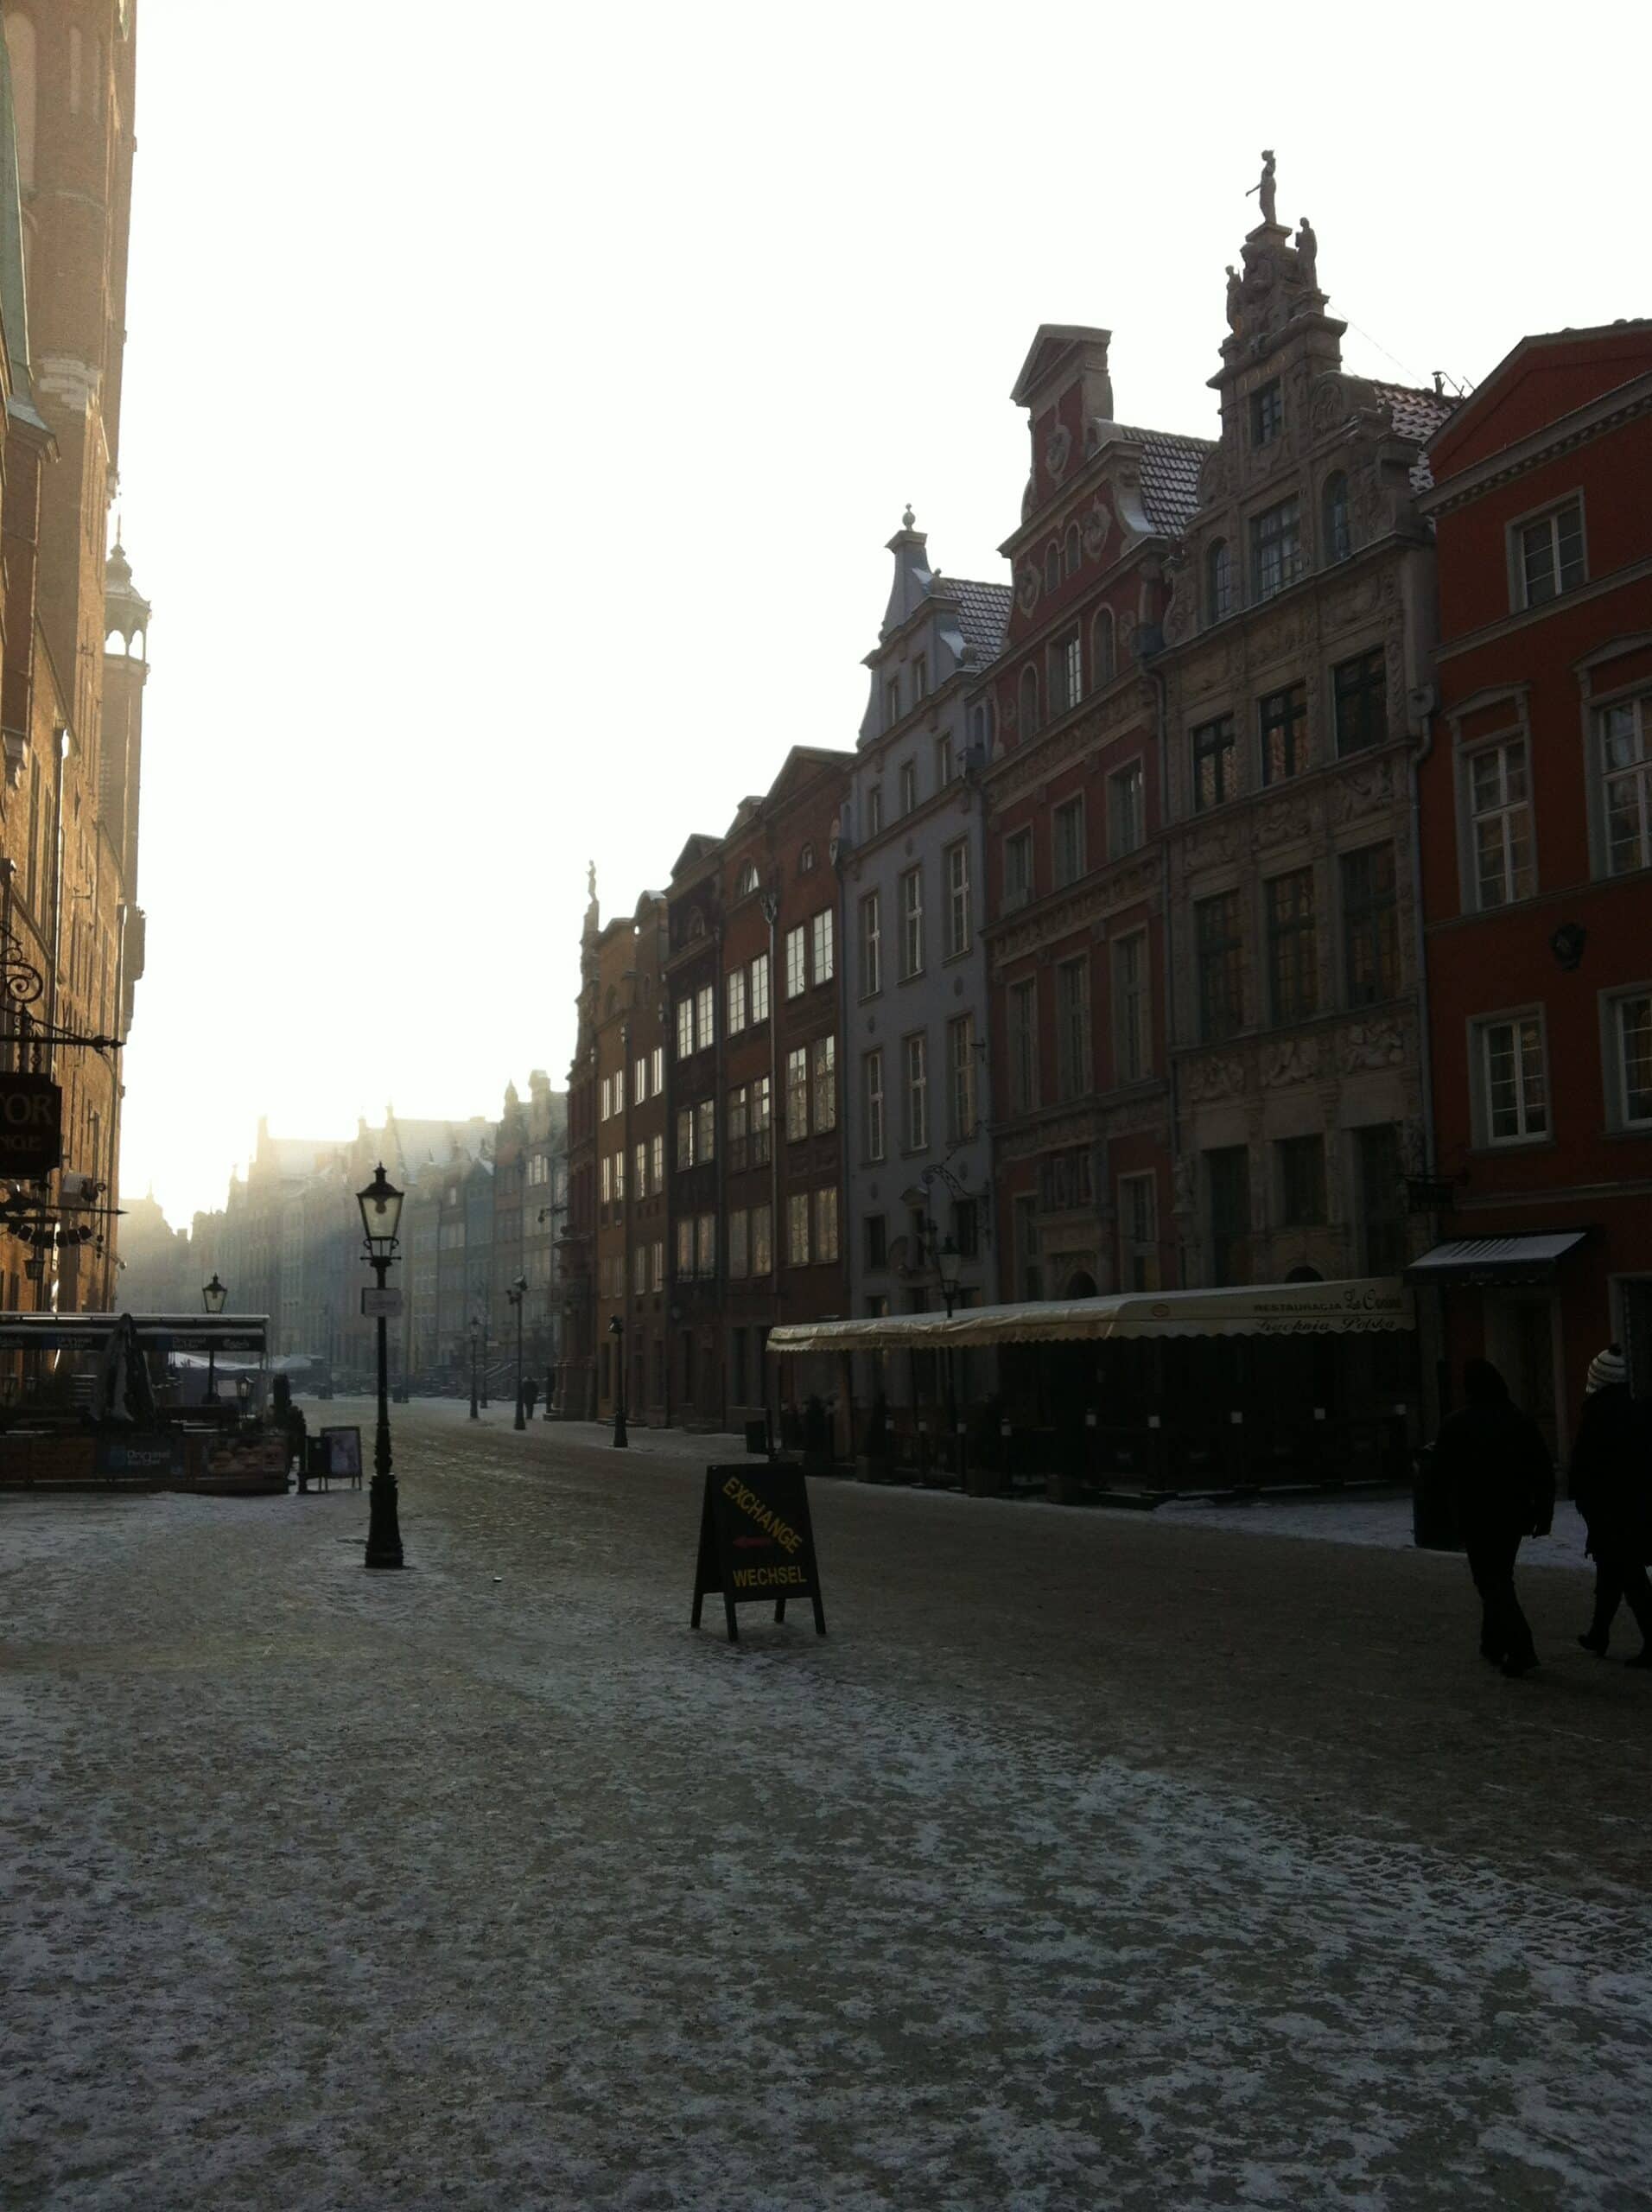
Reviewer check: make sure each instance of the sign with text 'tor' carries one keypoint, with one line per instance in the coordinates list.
(756, 1543)
(385, 1302)
(31, 1125)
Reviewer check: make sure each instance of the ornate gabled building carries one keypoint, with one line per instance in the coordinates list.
(1076, 810)
(912, 860)
(1297, 654)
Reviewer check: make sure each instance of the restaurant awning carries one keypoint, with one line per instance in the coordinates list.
(1357, 1307)
(156, 1332)
(1496, 1259)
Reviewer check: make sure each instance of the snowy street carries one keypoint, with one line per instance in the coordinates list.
(1145, 1863)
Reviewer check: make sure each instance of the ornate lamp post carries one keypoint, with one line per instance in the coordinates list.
(381, 1216)
(212, 1295)
(517, 1292)
(476, 1341)
(617, 1331)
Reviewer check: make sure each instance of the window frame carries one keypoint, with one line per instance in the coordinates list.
(1282, 714)
(1021, 1043)
(1132, 1008)
(1480, 1028)
(1067, 816)
(874, 1119)
(1636, 700)
(1364, 935)
(1616, 1069)
(871, 913)
(1502, 812)
(1217, 1024)
(1520, 596)
(962, 1103)
(1138, 1254)
(1355, 681)
(955, 870)
(1214, 741)
(1276, 541)
(911, 922)
(914, 1091)
(1021, 843)
(1075, 1064)
(1293, 942)
(1131, 775)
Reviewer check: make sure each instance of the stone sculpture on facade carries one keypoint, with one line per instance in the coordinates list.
(1264, 187)
(1308, 255)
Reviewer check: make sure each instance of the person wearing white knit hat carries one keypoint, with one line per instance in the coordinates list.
(1612, 1486)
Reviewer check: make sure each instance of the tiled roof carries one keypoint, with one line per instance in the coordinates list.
(984, 615)
(1170, 476)
(1417, 414)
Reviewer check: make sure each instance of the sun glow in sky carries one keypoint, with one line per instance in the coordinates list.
(518, 400)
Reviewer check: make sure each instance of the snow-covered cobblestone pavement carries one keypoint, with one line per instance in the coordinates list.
(1093, 1860)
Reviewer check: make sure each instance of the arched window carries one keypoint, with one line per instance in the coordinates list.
(1052, 565)
(1338, 527)
(806, 861)
(20, 47)
(747, 880)
(1218, 580)
(1102, 663)
(981, 727)
(1070, 554)
(1029, 700)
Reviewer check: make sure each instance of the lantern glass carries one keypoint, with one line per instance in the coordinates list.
(949, 1262)
(381, 1212)
(213, 1294)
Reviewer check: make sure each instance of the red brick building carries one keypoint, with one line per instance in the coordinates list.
(695, 1161)
(1536, 807)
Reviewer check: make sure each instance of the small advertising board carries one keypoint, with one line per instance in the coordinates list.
(31, 1125)
(341, 1456)
(756, 1543)
(140, 1456)
(381, 1304)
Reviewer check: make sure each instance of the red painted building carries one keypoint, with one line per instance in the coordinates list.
(1536, 809)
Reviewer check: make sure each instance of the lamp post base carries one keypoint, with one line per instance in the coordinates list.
(384, 1528)
(619, 1437)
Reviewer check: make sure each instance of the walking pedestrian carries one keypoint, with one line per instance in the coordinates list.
(1611, 1485)
(1498, 1473)
(529, 1398)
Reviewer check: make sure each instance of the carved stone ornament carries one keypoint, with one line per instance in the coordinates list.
(1179, 614)
(1026, 587)
(1097, 528)
(1216, 476)
(1370, 1045)
(1058, 451)
(1291, 1059)
(1209, 1080)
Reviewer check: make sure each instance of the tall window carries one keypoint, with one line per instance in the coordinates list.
(1132, 1007)
(798, 1229)
(1029, 700)
(734, 1129)
(1381, 1201)
(796, 1093)
(957, 864)
(1500, 805)
(736, 997)
(747, 883)
(915, 1126)
(872, 1084)
(685, 1248)
(1214, 764)
(760, 987)
(1292, 946)
(1626, 765)
(619, 1089)
(1017, 869)
(874, 811)
(1515, 1079)
(1370, 925)
(1139, 1232)
(1550, 553)
(656, 1265)
(607, 1080)
(1360, 689)
(822, 1055)
(911, 922)
(1100, 650)
(640, 1079)
(1220, 952)
(761, 1116)
(1267, 412)
(891, 702)
(1066, 673)
(961, 1078)
(1072, 551)
(657, 1157)
(1631, 1034)
(1302, 1182)
(1072, 1028)
(1052, 566)
(1339, 526)
(822, 947)
(797, 963)
(640, 1270)
(762, 1240)
(1024, 1045)
(705, 1129)
(1067, 841)
(826, 1223)
(657, 1068)
(640, 1163)
(1218, 580)
(740, 1246)
(1126, 825)
(1276, 548)
(920, 677)
(619, 1179)
(705, 1246)
(871, 945)
(1227, 1172)
(685, 1136)
(1282, 717)
(607, 1178)
(908, 786)
(944, 764)
(685, 1029)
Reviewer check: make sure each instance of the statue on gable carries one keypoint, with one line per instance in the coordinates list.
(1264, 187)
(1308, 255)
(1236, 298)
(590, 879)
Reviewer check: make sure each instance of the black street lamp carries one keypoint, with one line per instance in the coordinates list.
(475, 1340)
(617, 1331)
(381, 1216)
(517, 1293)
(212, 1295)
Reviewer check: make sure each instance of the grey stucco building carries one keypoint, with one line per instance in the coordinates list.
(917, 1161)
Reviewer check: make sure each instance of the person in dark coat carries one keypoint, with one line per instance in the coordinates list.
(1497, 1472)
(1611, 1485)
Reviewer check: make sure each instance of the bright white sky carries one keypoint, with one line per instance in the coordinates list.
(519, 397)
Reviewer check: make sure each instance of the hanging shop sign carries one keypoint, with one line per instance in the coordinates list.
(756, 1543)
(385, 1304)
(31, 1125)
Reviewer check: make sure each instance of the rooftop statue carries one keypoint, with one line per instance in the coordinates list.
(1265, 186)
(1308, 255)
(1235, 294)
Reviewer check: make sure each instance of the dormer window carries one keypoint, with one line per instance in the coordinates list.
(1218, 580)
(806, 861)
(747, 880)
(1267, 413)
(1052, 567)
(892, 703)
